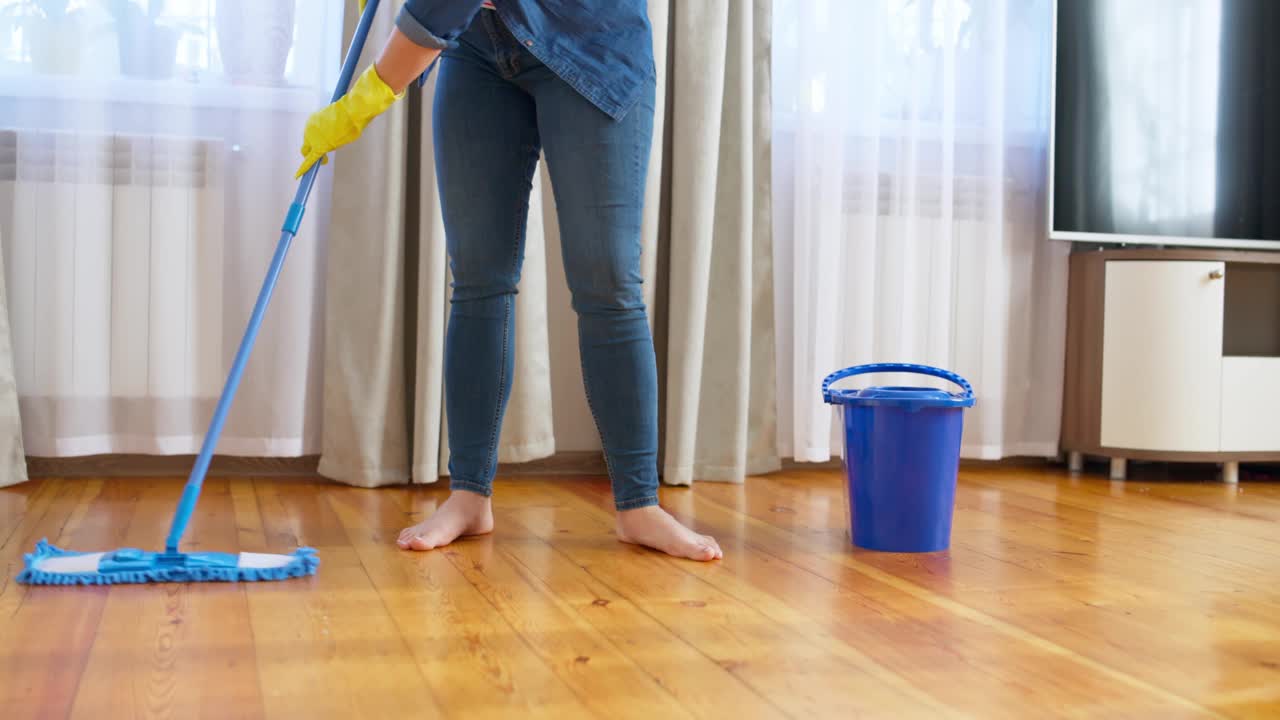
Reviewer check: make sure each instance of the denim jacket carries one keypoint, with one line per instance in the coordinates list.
(602, 48)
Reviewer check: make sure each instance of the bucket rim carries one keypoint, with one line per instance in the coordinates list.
(898, 396)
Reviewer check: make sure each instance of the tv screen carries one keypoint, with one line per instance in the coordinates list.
(1166, 124)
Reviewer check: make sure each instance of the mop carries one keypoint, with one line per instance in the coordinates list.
(50, 565)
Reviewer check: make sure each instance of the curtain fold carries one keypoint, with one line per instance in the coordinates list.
(13, 462)
(706, 246)
(387, 299)
(720, 371)
(366, 406)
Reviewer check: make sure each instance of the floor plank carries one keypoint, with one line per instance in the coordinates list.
(603, 677)
(773, 658)
(965, 660)
(475, 662)
(49, 633)
(1061, 596)
(327, 646)
(705, 688)
(182, 651)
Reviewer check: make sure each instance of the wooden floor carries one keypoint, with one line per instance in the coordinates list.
(1060, 597)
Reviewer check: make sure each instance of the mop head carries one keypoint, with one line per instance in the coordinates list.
(50, 565)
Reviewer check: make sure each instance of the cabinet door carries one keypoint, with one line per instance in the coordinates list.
(1250, 396)
(1162, 356)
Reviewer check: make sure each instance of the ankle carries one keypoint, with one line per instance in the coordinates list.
(642, 519)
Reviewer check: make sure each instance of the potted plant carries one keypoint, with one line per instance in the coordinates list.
(147, 48)
(52, 34)
(254, 39)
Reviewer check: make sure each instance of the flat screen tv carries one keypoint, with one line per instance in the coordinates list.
(1166, 123)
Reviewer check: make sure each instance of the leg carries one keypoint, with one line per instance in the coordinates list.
(598, 167)
(1231, 472)
(1119, 468)
(1075, 462)
(486, 144)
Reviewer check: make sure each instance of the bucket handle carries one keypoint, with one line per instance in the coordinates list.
(894, 367)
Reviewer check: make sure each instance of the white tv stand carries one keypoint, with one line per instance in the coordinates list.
(1173, 355)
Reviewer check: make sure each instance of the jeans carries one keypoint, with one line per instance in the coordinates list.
(496, 108)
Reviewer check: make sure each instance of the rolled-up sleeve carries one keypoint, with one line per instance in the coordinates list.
(436, 24)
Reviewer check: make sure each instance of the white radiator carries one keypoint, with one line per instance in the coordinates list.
(916, 287)
(113, 247)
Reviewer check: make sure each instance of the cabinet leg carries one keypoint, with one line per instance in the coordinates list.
(1119, 468)
(1231, 472)
(1075, 462)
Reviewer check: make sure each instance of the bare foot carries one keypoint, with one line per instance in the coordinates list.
(464, 513)
(654, 527)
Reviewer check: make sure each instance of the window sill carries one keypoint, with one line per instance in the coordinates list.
(161, 92)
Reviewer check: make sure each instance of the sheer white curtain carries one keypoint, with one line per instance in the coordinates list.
(909, 185)
(147, 151)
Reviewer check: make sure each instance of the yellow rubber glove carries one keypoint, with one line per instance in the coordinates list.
(343, 121)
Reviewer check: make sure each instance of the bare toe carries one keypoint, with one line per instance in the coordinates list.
(704, 552)
(419, 542)
(715, 546)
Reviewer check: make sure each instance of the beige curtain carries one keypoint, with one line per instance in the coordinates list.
(13, 463)
(706, 258)
(721, 412)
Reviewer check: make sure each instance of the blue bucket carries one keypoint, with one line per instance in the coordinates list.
(901, 455)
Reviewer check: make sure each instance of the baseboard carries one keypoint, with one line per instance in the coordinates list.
(566, 463)
(563, 463)
(1019, 461)
(168, 466)
(789, 464)
(585, 462)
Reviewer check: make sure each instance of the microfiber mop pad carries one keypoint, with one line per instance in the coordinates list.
(50, 565)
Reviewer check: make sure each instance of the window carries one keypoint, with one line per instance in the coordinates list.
(262, 43)
(897, 63)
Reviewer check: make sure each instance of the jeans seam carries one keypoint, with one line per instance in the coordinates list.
(595, 417)
(521, 225)
(639, 185)
(637, 180)
(498, 46)
(492, 450)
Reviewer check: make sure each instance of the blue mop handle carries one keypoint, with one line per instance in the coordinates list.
(293, 220)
